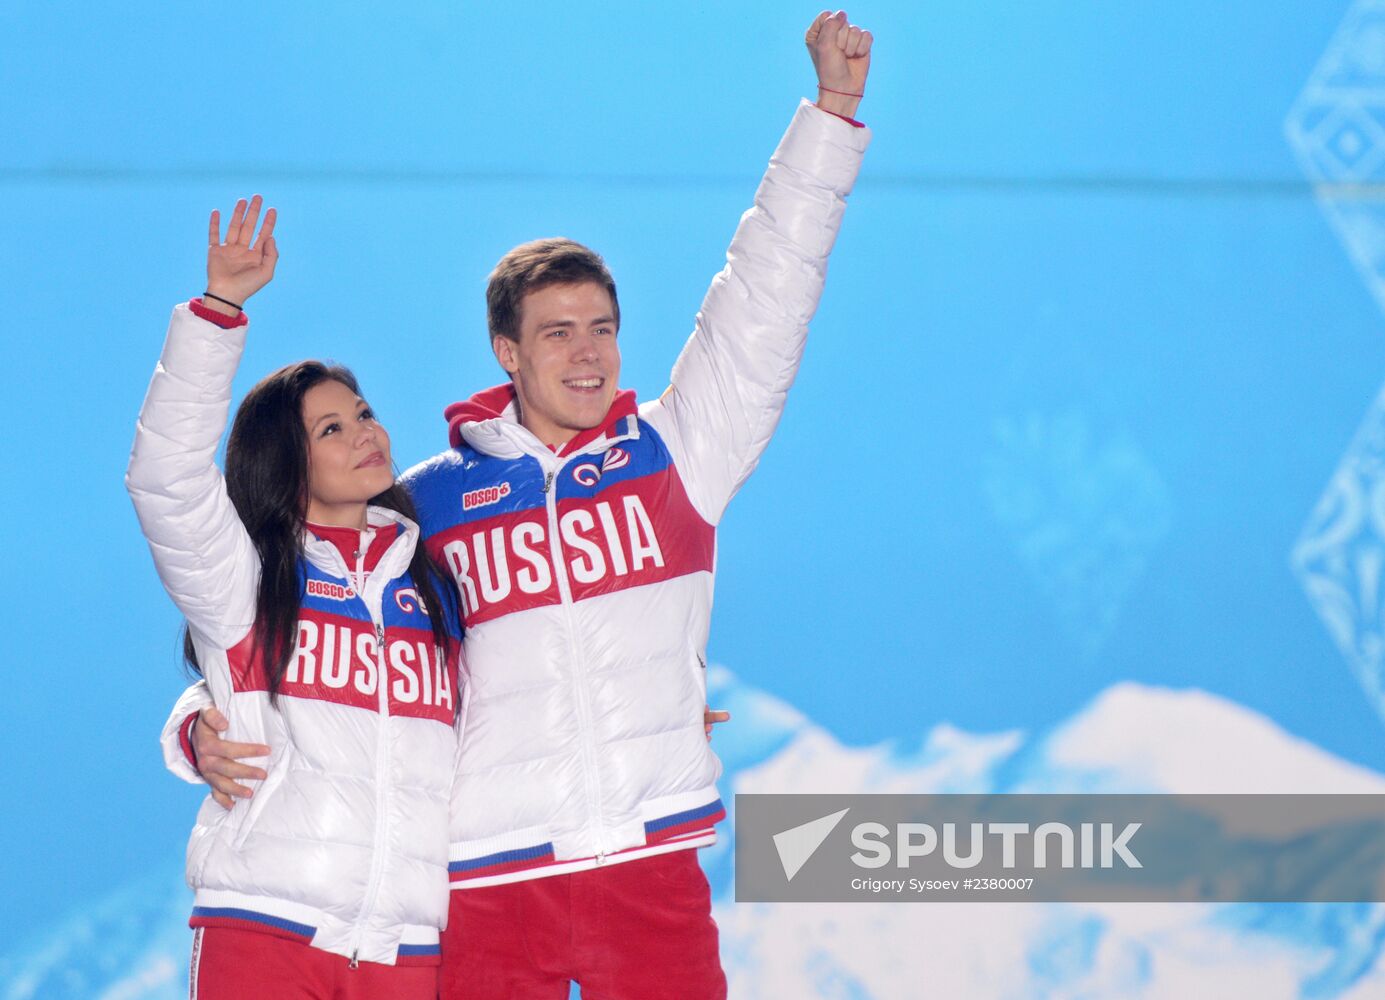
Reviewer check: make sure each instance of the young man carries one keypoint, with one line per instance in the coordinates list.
(580, 529)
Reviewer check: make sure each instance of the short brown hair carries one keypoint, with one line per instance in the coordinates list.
(538, 264)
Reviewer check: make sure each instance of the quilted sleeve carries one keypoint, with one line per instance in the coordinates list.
(729, 384)
(201, 550)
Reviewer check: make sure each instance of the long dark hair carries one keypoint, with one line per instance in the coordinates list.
(267, 482)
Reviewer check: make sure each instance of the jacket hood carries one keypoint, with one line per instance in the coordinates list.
(499, 403)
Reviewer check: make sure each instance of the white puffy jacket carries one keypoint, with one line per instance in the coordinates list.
(344, 845)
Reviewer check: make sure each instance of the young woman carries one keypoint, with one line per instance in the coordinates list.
(323, 632)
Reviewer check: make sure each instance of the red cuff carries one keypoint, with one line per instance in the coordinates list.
(220, 319)
(185, 732)
(850, 121)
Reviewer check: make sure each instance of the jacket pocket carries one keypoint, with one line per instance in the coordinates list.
(259, 802)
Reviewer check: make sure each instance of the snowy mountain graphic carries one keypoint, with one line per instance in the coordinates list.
(131, 944)
(1130, 738)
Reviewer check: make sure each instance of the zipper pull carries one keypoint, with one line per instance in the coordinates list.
(353, 964)
(380, 637)
(547, 481)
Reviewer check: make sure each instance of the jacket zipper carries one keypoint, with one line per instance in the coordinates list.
(382, 795)
(591, 777)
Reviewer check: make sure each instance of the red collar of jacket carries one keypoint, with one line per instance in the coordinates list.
(489, 404)
(348, 542)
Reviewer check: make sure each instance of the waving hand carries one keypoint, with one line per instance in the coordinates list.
(238, 268)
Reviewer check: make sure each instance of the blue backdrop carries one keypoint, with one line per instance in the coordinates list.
(1100, 332)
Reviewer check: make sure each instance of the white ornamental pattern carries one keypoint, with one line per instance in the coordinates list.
(1340, 556)
(1084, 510)
(1337, 131)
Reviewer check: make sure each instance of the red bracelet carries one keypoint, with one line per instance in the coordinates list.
(842, 92)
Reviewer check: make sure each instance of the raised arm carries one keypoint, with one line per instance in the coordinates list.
(202, 552)
(729, 385)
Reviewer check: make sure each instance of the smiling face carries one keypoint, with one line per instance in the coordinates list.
(348, 455)
(565, 364)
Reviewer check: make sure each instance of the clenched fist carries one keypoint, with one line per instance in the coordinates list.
(841, 56)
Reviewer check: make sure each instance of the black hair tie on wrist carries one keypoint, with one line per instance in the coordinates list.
(234, 305)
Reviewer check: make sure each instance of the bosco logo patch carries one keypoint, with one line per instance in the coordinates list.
(485, 497)
(331, 591)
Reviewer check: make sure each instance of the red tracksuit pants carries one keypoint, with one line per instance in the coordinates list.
(639, 930)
